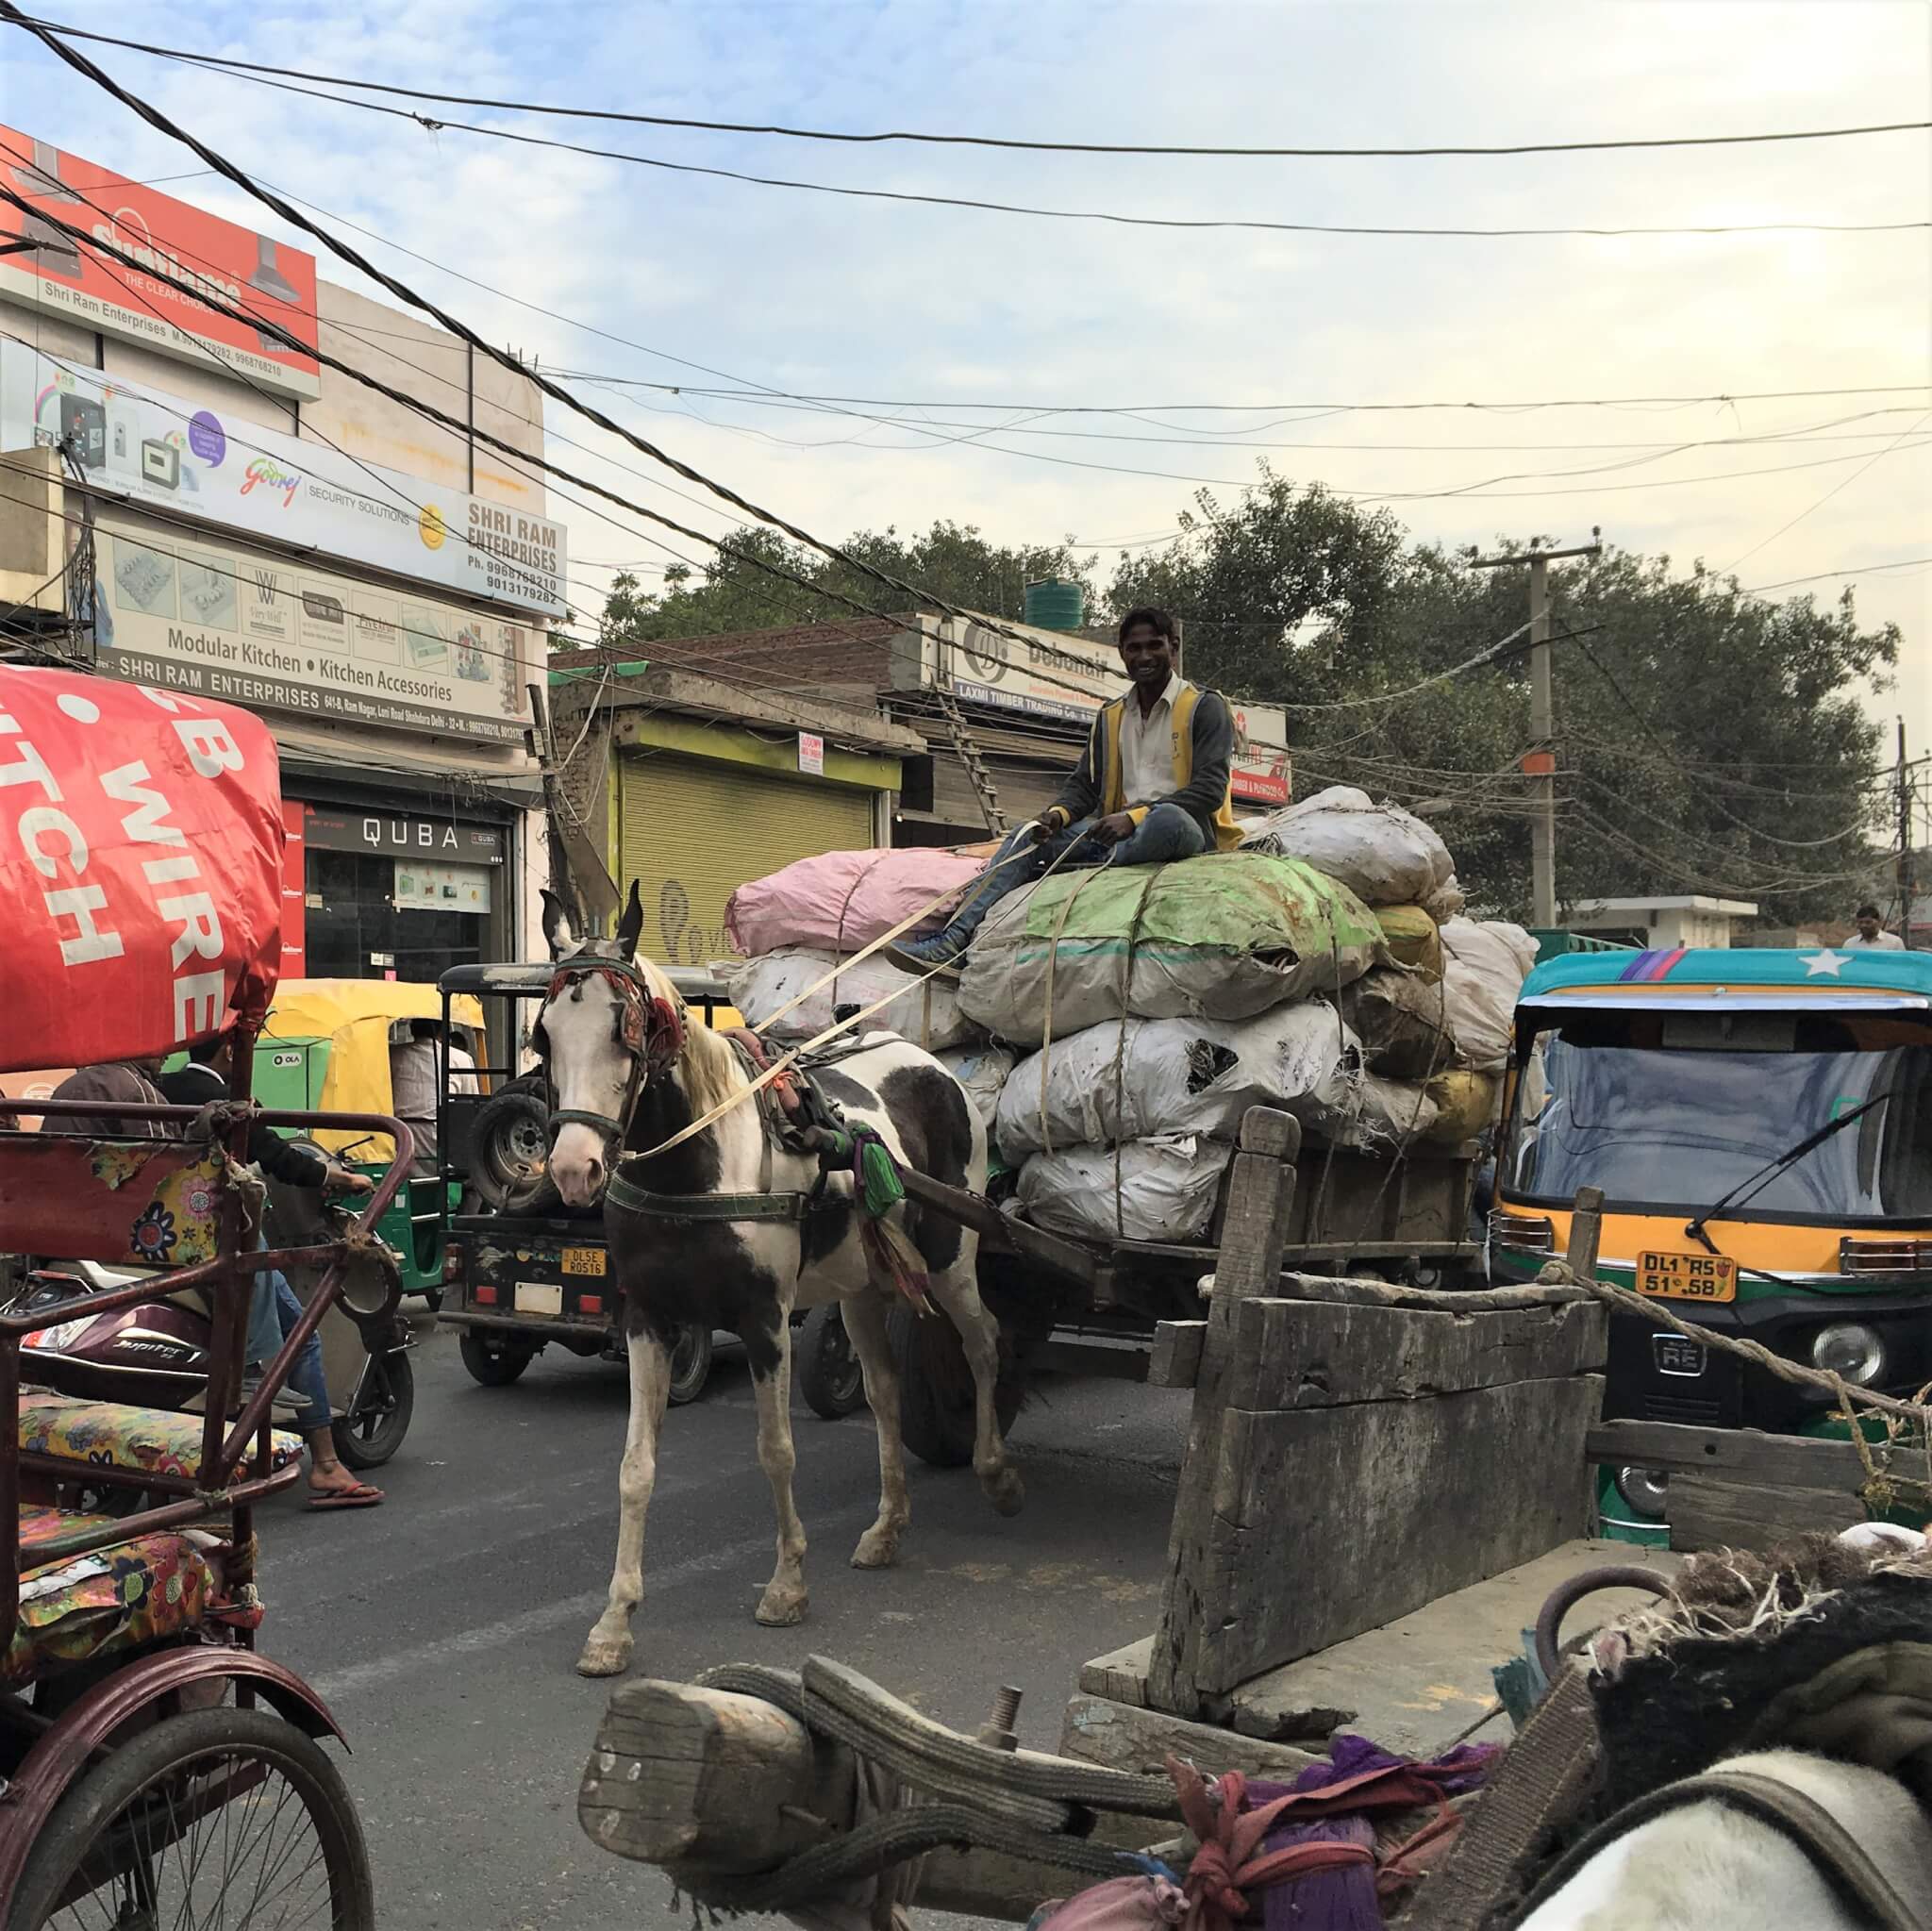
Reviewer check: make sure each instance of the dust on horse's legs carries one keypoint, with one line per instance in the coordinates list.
(606, 1653)
(784, 1599)
(865, 1327)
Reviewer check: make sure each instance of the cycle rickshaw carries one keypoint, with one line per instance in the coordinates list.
(155, 1768)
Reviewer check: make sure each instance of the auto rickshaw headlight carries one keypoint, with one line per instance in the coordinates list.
(1851, 1349)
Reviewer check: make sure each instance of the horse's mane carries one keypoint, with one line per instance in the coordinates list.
(710, 1069)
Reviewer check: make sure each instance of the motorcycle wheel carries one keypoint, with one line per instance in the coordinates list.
(380, 1413)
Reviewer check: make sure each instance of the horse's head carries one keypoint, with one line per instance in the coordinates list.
(611, 1025)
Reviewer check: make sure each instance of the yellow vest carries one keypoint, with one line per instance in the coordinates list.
(1113, 791)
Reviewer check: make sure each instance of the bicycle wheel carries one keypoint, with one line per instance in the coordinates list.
(218, 1818)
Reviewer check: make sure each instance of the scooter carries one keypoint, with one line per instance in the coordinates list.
(156, 1354)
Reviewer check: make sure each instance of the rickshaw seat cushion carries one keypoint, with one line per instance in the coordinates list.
(148, 1441)
(119, 1597)
(151, 1203)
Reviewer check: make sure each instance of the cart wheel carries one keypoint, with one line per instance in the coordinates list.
(935, 1388)
(379, 1411)
(690, 1364)
(825, 1366)
(196, 1822)
(494, 1360)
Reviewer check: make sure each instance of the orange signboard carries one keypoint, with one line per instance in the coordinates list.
(237, 265)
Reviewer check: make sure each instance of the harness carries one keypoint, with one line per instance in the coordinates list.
(1836, 1855)
(794, 1112)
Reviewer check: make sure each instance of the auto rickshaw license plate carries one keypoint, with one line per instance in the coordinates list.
(1687, 1276)
(585, 1261)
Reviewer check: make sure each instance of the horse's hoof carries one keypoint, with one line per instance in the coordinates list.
(1006, 1491)
(604, 1658)
(779, 1609)
(877, 1549)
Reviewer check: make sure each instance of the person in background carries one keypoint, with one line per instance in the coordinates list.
(413, 1073)
(131, 1081)
(460, 1071)
(1872, 935)
(274, 1308)
(1151, 786)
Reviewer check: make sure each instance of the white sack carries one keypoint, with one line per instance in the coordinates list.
(982, 1071)
(1384, 854)
(1483, 970)
(1180, 1076)
(928, 1015)
(1167, 1192)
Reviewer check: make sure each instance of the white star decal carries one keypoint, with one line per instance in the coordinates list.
(1827, 965)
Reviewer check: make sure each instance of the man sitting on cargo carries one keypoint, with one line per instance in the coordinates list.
(1151, 786)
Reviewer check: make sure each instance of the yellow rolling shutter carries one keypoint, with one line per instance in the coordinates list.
(693, 831)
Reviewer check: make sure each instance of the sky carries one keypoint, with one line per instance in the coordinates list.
(920, 312)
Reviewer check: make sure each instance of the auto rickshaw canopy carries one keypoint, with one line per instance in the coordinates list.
(356, 1020)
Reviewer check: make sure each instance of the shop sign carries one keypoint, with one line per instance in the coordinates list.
(182, 244)
(811, 754)
(1051, 675)
(426, 842)
(158, 451)
(441, 887)
(226, 622)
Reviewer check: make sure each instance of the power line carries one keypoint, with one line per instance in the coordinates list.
(1827, 576)
(226, 63)
(1191, 224)
(1846, 484)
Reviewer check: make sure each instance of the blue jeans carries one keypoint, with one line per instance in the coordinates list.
(273, 1313)
(1165, 834)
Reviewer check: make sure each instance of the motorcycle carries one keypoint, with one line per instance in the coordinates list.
(156, 1354)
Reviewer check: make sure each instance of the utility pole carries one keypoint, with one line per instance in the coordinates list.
(1539, 762)
(1905, 842)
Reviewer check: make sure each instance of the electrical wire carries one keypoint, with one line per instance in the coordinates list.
(1221, 224)
(988, 140)
(1846, 484)
(1758, 590)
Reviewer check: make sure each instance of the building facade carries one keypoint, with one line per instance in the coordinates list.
(189, 503)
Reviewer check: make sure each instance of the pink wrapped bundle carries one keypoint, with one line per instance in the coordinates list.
(844, 900)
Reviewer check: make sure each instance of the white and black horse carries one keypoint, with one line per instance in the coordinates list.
(722, 1228)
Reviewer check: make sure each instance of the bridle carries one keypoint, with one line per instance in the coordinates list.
(649, 1027)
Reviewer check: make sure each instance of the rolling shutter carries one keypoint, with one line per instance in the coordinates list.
(691, 832)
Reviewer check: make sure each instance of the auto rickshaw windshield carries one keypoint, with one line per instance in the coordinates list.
(1664, 1118)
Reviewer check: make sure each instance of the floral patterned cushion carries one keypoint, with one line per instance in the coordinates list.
(113, 1435)
(115, 1598)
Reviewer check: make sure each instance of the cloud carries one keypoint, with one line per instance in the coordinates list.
(949, 307)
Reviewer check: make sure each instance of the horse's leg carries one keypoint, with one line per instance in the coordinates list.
(784, 1599)
(956, 1290)
(865, 1327)
(606, 1652)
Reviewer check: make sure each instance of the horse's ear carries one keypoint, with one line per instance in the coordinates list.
(630, 928)
(557, 930)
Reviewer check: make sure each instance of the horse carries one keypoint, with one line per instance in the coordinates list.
(728, 1225)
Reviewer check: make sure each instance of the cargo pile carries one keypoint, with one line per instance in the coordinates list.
(1112, 1026)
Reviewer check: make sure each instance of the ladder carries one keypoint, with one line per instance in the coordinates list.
(970, 758)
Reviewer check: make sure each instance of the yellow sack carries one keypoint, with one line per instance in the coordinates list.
(1466, 1102)
(1412, 938)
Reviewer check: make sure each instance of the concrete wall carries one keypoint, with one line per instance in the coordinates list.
(410, 354)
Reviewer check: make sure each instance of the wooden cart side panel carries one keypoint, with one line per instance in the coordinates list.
(1309, 1354)
(1334, 1520)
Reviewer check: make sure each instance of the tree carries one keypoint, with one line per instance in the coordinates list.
(740, 588)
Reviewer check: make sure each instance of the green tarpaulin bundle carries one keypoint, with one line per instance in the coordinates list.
(1221, 936)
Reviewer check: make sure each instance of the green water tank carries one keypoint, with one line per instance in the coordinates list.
(1054, 603)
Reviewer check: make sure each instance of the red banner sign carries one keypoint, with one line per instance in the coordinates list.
(141, 868)
(235, 265)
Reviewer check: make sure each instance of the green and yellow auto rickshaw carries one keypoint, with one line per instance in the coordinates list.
(331, 1046)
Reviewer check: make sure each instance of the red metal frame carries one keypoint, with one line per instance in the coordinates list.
(67, 1745)
(79, 1734)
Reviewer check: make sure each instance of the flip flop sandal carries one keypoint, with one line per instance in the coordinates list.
(360, 1496)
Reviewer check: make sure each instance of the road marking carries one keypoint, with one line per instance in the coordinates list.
(339, 1686)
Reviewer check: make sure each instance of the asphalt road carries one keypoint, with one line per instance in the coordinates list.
(442, 1626)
